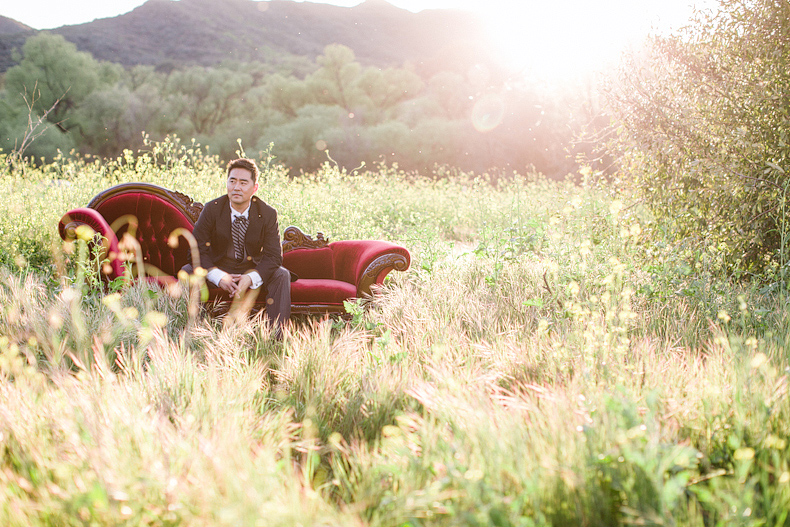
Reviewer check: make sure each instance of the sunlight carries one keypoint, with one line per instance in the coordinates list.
(572, 37)
(561, 38)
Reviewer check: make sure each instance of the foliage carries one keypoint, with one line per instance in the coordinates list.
(52, 75)
(702, 131)
(341, 110)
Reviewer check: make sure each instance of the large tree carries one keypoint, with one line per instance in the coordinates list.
(52, 74)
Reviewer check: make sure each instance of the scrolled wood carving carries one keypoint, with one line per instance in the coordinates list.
(191, 207)
(294, 238)
(70, 230)
(181, 201)
(382, 263)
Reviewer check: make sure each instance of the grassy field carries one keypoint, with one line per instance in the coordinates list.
(548, 359)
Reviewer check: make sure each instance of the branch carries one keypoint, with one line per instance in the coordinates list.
(34, 128)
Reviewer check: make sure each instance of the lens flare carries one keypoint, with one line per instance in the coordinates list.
(488, 113)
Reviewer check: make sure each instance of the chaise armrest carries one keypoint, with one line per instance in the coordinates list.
(75, 218)
(366, 262)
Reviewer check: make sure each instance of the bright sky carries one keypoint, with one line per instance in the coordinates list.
(539, 36)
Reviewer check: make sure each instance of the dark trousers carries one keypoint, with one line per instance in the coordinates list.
(277, 291)
(278, 297)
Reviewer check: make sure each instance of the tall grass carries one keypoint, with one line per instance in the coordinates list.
(545, 361)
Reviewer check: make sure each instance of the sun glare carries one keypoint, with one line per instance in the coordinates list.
(557, 38)
(567, 38)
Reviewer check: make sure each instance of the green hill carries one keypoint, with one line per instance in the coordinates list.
(169, 33)
(12, 36)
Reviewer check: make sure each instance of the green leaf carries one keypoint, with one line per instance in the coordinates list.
(775, 167)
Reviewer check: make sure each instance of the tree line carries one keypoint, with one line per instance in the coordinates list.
(473, 120)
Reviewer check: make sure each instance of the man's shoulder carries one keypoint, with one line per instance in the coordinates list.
(217, 201)
(262, 206)
(212, 210)
(215, 205)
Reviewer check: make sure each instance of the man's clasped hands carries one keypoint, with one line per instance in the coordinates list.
(235, 284)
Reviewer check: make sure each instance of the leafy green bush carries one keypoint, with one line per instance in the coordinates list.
(702, 123)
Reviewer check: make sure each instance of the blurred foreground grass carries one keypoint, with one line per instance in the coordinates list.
(547, 360)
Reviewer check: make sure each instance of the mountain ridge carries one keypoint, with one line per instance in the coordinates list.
(11, 26)
(208, 32)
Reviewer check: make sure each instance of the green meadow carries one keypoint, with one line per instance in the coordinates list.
(548, 359)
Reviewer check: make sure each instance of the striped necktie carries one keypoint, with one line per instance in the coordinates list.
(239, 231)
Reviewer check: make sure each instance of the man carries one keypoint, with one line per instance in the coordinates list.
(239, 241)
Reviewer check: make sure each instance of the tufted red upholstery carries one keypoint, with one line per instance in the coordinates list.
(156, 220)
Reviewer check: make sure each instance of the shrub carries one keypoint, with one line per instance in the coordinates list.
(702, 120)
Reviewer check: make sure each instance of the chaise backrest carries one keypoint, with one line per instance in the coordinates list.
(306, 257)
(310, 263)
(150, 214)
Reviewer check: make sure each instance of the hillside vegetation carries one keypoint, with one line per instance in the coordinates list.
(353, 114)
(182, 33)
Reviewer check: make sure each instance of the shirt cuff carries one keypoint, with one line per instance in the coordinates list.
(215, 275)
(257, 281)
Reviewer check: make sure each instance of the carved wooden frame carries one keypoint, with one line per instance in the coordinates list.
(394, 261)
(317, 309)
(294, 238)
(182, 202)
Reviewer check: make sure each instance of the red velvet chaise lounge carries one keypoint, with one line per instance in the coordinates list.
(329, 272)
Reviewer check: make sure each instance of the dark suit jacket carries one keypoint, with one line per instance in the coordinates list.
(264, 250)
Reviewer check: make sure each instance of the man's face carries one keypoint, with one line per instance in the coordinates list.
(240, 188)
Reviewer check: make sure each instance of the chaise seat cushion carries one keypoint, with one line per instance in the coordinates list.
(321, 291)
(304, 292)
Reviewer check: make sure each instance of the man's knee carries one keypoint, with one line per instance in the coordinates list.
(281, 276)
(279, 292)
(279, 282)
